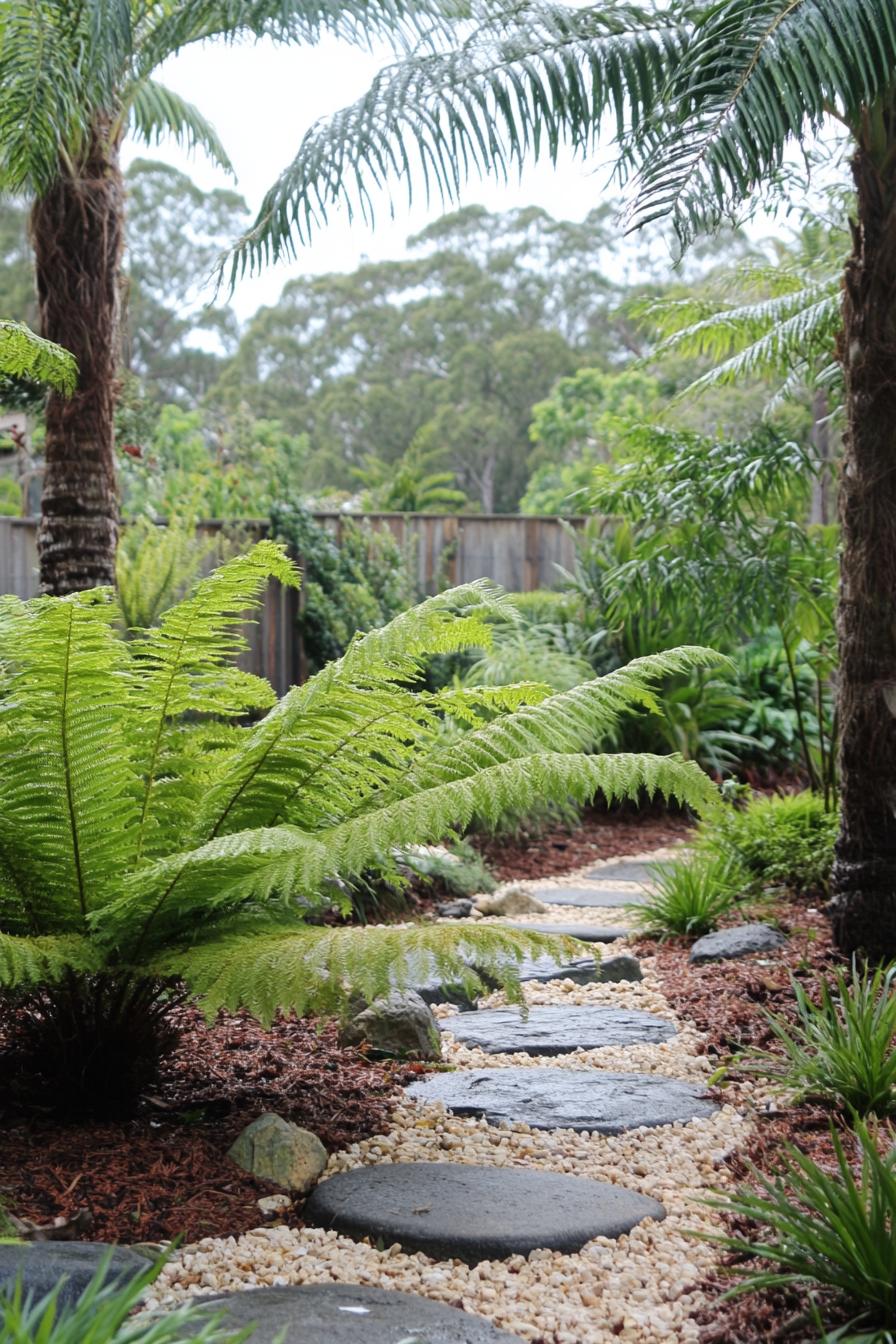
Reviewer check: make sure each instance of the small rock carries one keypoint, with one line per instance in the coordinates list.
(276, 1150)
(515, 901)
(459, 909)
(272, 1206)
(622, 966)
(727, 944)
(399, 1024)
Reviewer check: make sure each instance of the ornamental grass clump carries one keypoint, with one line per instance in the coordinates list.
(818, 1230)
(167, 826)
(841, 1049)
(691, 897)
(103, 1314)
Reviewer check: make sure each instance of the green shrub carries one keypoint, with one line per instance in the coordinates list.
(10, 497)
(355, 584)
(786, 841)
(842, 1049)
(835, 1232)
(155, 842)
(102, 1315)
(691, 897)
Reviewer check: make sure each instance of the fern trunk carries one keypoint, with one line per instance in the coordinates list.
(77, 230)
(864, 878)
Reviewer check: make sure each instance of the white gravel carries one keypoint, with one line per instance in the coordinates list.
(641, 1288)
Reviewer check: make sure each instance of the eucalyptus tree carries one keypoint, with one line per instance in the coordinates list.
(77, 76)
(705, 102)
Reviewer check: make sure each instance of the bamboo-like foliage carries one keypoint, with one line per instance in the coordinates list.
(149, 832)
(703, 100)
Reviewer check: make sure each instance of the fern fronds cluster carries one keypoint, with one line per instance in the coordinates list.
(163, 817)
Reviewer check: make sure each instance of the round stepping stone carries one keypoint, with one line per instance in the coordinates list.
(625, 870)
(556, 1030)
(347, 1313)
(41, 1265)
(586, 933)
(727, 944)
(581, 1099)
(452, 1211)
(608, 898)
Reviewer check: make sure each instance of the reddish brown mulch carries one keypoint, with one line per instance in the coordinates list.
(726, 1001)
(165, 1172)
(601, 834)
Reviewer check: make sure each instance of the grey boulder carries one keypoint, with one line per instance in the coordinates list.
(728, 944)
(400, 1024)
(274, 1149)
(621, 966)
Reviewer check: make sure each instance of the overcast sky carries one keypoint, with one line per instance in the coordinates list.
(262, 99)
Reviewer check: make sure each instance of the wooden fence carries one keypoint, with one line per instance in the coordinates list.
(520, 553)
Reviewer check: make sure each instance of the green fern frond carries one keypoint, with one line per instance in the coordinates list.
(253, 789)
(34, 961)
(320, 971)
(66, 799)
(24, 355)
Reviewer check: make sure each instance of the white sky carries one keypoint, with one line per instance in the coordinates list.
(262, 98)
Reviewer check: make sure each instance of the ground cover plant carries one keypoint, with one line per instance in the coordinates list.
(157, 846)
(841, 1049)
(690, 897)
(780, 841)
(822, 1230)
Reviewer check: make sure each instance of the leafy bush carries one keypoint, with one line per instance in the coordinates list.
(358, 583)
(836, 1232)
(10, 497)
(691, 897)
(842, 1049)
(528, 654)
(786, 841)
(156, 564)
(155, 844)
(102, 1315)
(459, 870)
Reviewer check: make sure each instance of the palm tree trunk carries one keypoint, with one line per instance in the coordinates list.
(77, 231)
(864, 879)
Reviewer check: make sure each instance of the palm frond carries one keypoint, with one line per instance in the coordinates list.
(755, 75)
(24, 355)
(157, 111)
(525, 82)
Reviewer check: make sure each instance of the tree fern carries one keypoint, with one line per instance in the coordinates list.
(150, 834)
(32, 359)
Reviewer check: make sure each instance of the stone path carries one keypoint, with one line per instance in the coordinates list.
(493, 1135)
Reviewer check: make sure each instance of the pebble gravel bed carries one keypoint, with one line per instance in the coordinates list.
(641, 1289)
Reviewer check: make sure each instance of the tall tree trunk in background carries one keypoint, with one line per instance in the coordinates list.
(820, 510)
(77, 231)
(864, 904)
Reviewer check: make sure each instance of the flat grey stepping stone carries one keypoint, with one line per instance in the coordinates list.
(608, 898)
(740, 941)
(583, 970)
(581, 1099)
(43, 1264)
(347, 1313)
(624, 870)
(452, 1211)
(556, 1030)
(587, 933)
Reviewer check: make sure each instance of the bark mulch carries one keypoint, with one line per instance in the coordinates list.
(726, 1001)
(601, 834)
(165, 1173)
